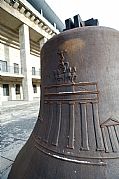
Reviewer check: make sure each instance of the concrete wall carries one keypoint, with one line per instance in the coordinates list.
(12, 91)
(2, 53)
(12, 55)
(21, 25)
(35, 62)
(37, 95)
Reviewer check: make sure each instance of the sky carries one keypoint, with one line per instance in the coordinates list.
(106, 11)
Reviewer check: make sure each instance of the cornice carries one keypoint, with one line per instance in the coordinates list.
(33, 18)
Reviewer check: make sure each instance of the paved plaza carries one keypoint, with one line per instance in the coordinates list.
(17, 120)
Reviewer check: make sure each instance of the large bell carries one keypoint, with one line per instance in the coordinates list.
(77, 132)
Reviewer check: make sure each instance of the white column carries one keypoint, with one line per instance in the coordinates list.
(10, 92)
(25, 62)
(13, 92)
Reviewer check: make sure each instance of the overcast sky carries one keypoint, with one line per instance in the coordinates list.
(106, 11)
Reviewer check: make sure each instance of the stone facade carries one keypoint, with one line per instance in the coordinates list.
(23, 31)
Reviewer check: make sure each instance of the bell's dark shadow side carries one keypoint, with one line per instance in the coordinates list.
(77, 132)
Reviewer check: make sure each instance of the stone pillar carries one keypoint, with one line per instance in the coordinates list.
(25, 62)
(13, 92)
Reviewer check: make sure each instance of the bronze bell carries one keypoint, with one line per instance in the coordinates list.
(77, 132)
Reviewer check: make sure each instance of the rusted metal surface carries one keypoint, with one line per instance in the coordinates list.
(77, 132)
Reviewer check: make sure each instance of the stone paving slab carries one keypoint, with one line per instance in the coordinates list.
(5, 164)
(18, 110)
(8, 156)
(4, 175)
(17, 123)
(12, 150)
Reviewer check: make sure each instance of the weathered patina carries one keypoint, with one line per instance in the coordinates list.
(77, 132)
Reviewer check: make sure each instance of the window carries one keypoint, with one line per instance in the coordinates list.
(3, 66)
(5, 89)
(17, 89)
(34, 88)
(16, 68)
(33, 71)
